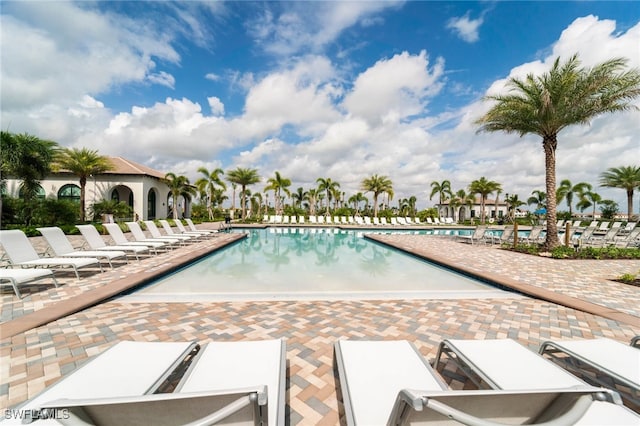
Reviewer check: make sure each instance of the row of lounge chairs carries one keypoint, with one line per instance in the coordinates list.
(341, 220)
(19, 253)
(381, 382)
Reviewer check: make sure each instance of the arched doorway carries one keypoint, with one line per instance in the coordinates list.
(151, 204)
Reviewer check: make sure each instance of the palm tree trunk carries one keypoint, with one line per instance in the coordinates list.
(550, 143)
(629, 204)
(83, 190)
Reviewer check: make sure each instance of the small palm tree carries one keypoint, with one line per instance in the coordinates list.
(513, 202)
(327, 185)
(300, 196)
(627, 178)
(539, 198)
(484, 188)
(356, 199)
(378, 185)
(83, 163)
(243, 177)
(567, 190)
(207, 184)
(589, 199)
(278, 184)
(565, 95)
(442, 189)
(179, 186)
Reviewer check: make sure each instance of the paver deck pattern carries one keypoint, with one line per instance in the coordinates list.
(36, 358)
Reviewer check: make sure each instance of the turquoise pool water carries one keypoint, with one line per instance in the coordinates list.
(311, 263)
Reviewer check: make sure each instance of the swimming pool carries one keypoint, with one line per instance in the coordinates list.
(311, 263)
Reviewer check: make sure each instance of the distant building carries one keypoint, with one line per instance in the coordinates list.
(467, 212)
(141, 187)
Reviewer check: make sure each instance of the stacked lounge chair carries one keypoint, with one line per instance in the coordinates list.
(119, 238)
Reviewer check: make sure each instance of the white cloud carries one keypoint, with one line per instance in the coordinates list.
(396, 88)
(211, 76)
(310, 25)
(216, 105)
(466, 28)
(162, 78)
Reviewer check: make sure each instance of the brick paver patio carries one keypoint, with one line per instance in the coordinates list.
(36, 358)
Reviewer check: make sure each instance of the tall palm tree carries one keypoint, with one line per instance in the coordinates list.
(496, 202)
(312, 195)
(179, 186)
(207, 184)
(484, 188)
(328, 186)
(83, 163)
(442, 189)
(565, 95)
(589, 199)
(243, 177)
(378, 185)
(278, 184)
(567, 190)
(625, 177)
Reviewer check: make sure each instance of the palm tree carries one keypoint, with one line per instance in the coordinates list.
(443, 189)
(567, 190)
(378, 185)
(587, 200)
(496, 202)
(207, 184)
(278, 184)
(328, 186)
(312, 195)
(566, 95)
(356, 199)
(539, 198)
(243, 177)
(483, 187)
(625, 177)
(28, 159)
(83, 163)
(513, 202)
(300, 196)
(179, 186)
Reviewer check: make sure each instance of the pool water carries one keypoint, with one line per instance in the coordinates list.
(311, 263)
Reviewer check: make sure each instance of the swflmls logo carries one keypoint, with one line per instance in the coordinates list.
(28, 416)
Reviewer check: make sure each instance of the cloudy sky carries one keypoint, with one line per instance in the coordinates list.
(339, 90)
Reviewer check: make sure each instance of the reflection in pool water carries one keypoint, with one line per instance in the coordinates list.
(303, 263)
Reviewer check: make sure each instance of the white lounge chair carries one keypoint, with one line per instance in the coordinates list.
(234, 365)
(119, 238)
(14, 277)
(184, 230)
(96, 242)
(239, 383)
(20, 252)
(371, 372)
(505, 364)
(125, 369)
(603, 361)
(62, 247)
(192, 227)
(478, 236)
(301, 219)
(168, 230)
(140, 236)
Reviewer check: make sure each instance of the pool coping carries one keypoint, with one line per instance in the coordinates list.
(114, 288)
(523, 288)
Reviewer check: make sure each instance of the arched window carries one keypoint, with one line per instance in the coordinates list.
(151, 205)
(40, 193)
(115, 196)
(69, 192)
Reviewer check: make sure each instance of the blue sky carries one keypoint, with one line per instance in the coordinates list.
(311, 89)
